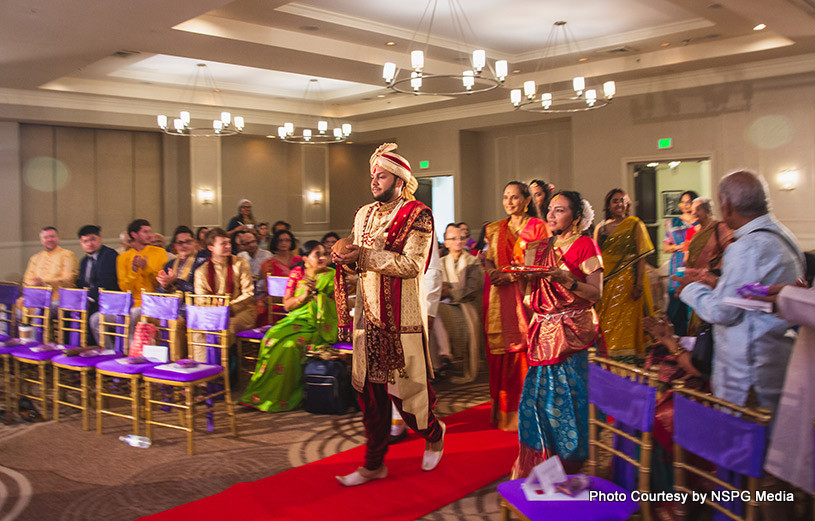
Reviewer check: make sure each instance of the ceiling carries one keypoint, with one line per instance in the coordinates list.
(264, 55)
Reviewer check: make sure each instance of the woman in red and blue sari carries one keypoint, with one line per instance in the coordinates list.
(553, 414)
(676, 229)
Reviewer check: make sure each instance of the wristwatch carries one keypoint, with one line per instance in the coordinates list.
(573, 285)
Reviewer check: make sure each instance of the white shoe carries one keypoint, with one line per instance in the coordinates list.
(356, 478)
(432, 458)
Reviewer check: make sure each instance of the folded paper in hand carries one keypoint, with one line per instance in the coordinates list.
(749, 304)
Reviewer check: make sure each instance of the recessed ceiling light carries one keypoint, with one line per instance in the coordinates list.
(391, 44)
(349, 142)
(759, 27)
(516, 71)
(380, 95)
(271, 137)
(665, 44)
(583, 59)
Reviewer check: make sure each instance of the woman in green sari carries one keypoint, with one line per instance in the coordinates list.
(277, 384)
(624, 241)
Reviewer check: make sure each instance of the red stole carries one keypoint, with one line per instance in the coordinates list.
(230, 284)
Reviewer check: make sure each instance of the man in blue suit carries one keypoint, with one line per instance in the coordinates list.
(97, 269)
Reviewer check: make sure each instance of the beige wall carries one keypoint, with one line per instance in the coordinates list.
(110, 176)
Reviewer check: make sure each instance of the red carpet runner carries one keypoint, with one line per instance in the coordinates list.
(475, 455)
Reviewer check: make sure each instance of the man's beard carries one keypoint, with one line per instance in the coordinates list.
(387, 194)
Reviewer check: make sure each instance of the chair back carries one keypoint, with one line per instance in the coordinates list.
(37, 310)
(276, 289)
(72, 316)
(732, 437)
(162, 307)
(114, 318)
(628, 394)
(9, 292)
(208, 327)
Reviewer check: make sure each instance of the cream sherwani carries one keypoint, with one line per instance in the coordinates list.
(370, 230)
(461, 312)
(57, 268)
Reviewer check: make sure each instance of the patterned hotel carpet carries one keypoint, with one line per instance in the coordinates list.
(57, 471)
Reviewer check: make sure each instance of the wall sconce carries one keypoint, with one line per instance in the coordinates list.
(314, 196)
(788, 179)
(206, 195)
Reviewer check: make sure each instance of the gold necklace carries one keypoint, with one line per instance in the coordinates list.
(520, 227)
(566, 242)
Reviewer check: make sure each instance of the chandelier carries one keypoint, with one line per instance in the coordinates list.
(578, 100)
(201, 84)
(310, 136)
(469, 81)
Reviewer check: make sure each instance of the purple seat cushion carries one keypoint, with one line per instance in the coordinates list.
(571, 509)
(342, 346)
(81, 361)
(27, 354)
(6, 349)
(3, 338)
(176, 376)
(115, 366)
(254, 334)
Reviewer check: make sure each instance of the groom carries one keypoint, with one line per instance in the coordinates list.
(389, 248)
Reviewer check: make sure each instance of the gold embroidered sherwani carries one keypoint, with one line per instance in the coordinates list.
(370, 230)
(57, 268)
(241, 302)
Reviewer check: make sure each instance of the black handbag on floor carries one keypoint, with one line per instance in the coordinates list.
(327, 387)
(702, 354)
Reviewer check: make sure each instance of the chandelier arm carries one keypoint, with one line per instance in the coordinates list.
(454, 8)
(430, 27)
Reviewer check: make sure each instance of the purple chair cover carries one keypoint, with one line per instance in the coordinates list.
(176, 376)
(629, 402)
(3, 338)
(343, 346)
(163, 308)
(570, 509)
(9, 294)
(81, 361)
(276, 286)
(115, 366)
(209, 318)
(74, 300)
(117, 305)
(730, 442)
(36, 297)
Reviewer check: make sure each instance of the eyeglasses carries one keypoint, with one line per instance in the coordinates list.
(246, 207)
(462, 238)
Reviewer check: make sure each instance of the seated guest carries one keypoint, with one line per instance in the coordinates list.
(248, 244)
(124, 242)
(179, 273)
(283, 258)
(54, 266)
(312, 322)
(201, 238)
(469, 243)
(226, 274)
(328, 241)
(280, 225)
(160, 242)
(97, 269)
(460, 307)
(263, 236)
(138, 267)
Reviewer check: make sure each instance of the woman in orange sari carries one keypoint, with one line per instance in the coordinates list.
(507, 319)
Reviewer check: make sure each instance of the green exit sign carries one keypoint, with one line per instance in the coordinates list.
(665, 142)
(424, 164)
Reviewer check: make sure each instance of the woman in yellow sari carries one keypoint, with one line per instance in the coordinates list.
(624, 242)
(507, 319)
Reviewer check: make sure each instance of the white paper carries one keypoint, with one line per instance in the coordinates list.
(157, 354)
(540, 485)
(749, 304)
(178, 369)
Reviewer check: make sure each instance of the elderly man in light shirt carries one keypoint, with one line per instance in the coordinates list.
(250, 251)
(751, 348)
